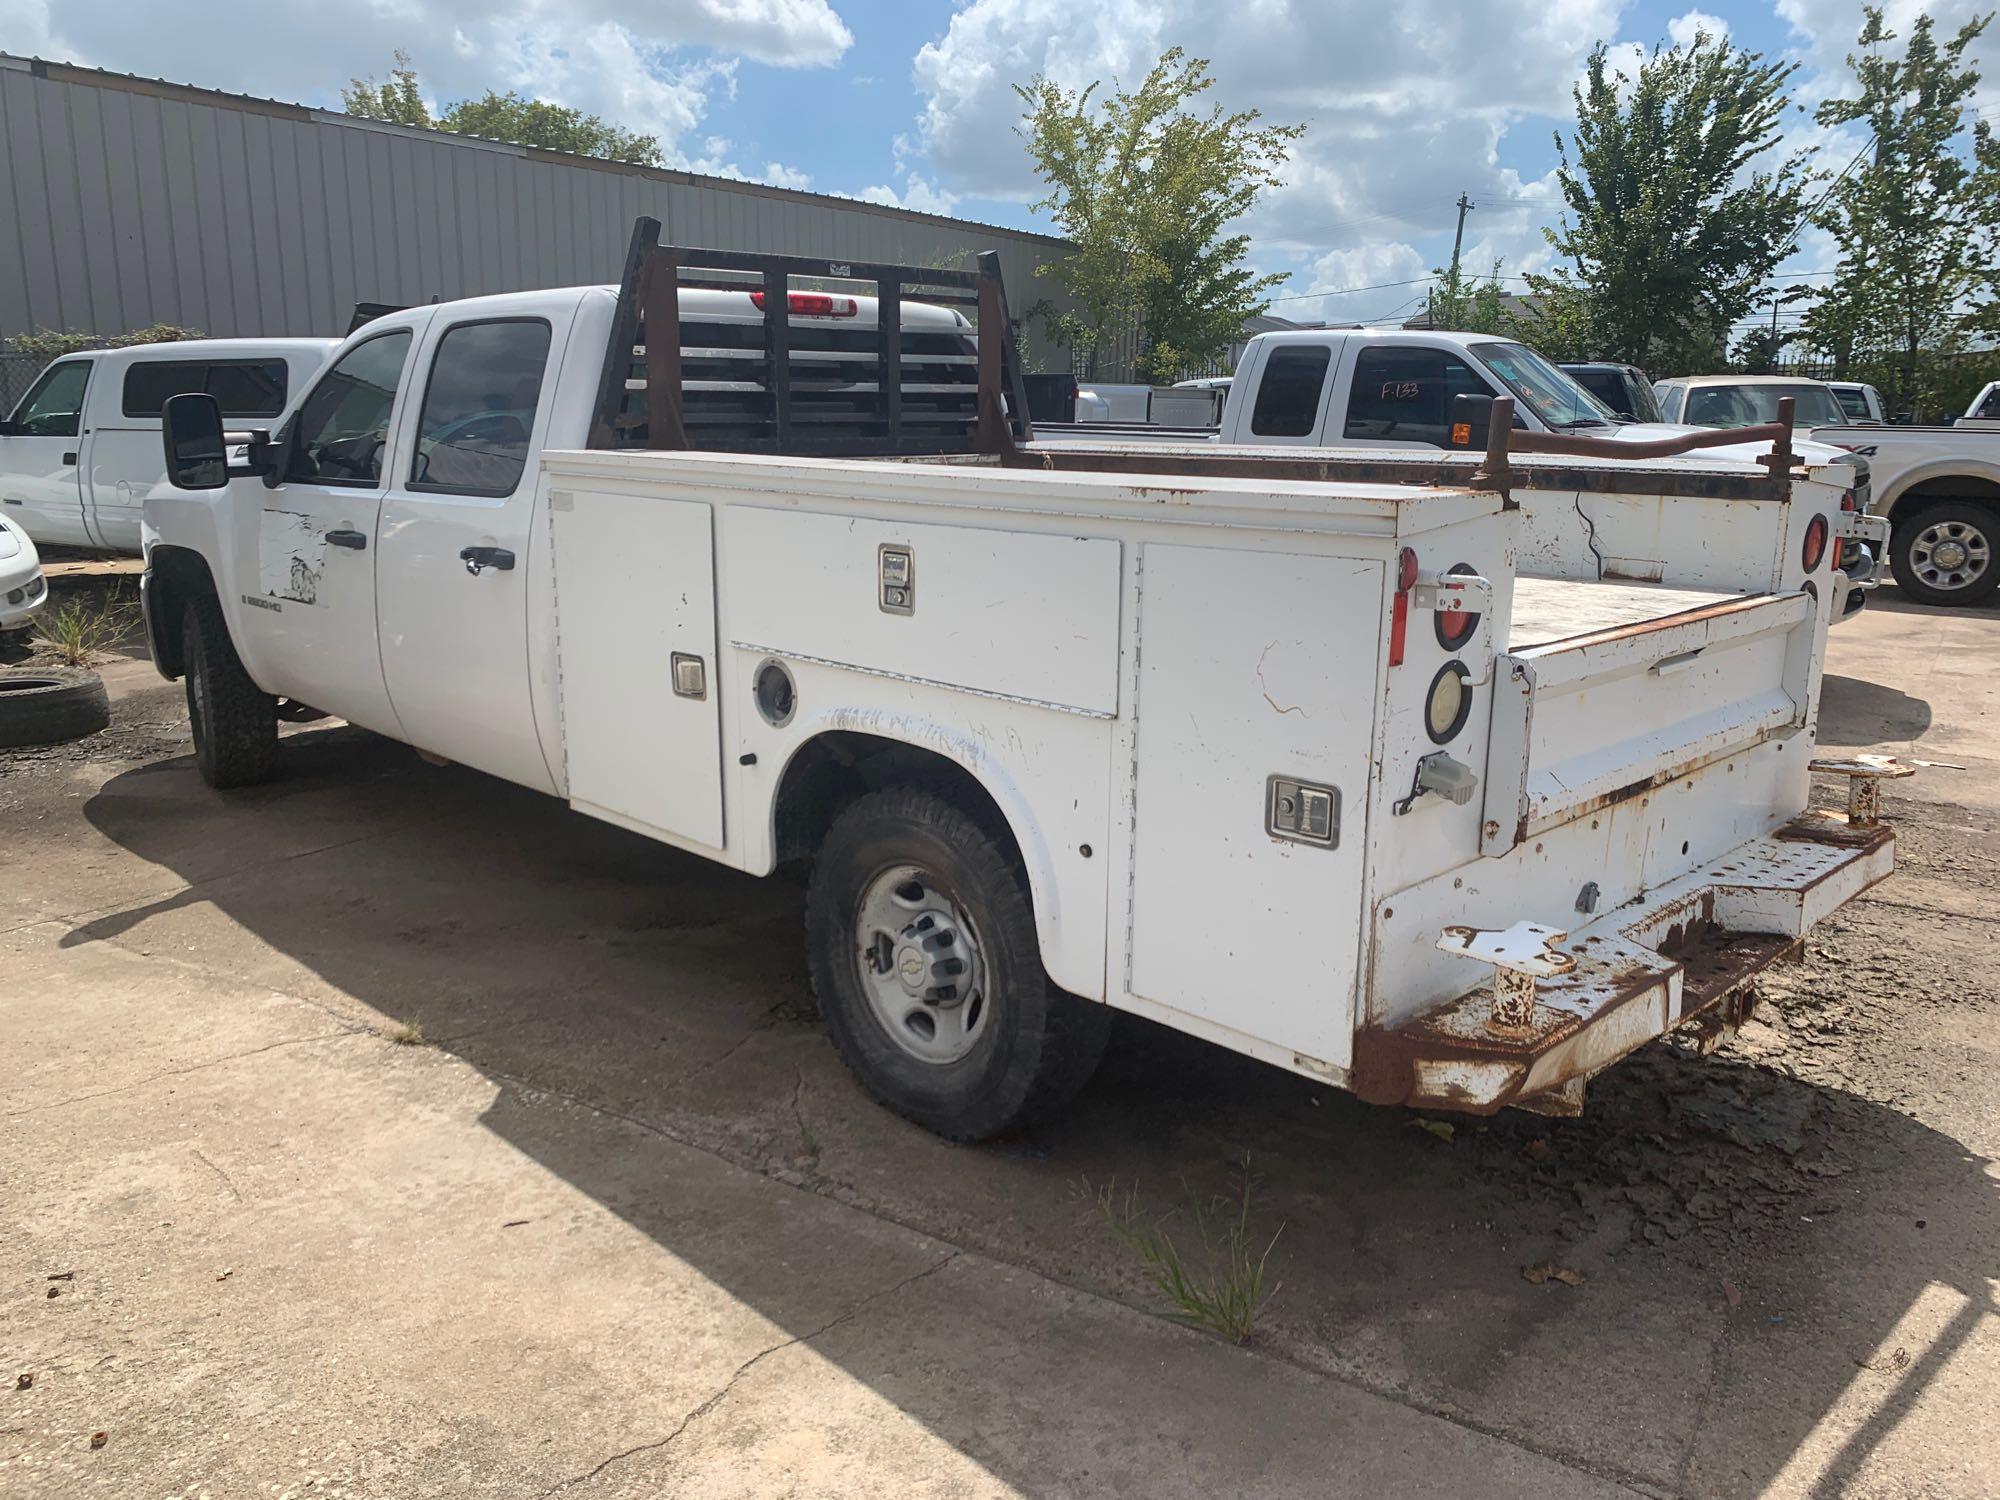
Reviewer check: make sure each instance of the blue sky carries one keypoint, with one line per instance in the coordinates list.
(911, 103)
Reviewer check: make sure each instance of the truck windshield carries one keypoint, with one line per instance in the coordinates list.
(1551, 394)
(1752, 405)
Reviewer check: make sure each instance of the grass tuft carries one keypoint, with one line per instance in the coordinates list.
(408, 1034)
(1224, 1288)
(81, 628)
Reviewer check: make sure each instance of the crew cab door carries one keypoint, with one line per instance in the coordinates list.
(309, 633)
(453, 567)
(1400, 395)
(40, 477)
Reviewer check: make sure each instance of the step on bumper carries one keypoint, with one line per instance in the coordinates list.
(1682, 955)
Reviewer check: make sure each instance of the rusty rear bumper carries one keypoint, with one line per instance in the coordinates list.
(1682, 954)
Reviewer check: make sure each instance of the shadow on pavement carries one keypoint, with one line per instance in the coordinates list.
(1749, 1240)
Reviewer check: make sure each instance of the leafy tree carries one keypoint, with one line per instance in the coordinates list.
(498, 117)
(1465, 304)
(399, 100)
(49, 343)
(1146, 183)
(1919, 221)
(1670, 232)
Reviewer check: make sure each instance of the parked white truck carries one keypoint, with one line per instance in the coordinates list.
(1273, 746)
(1939, 488)
(81, 449)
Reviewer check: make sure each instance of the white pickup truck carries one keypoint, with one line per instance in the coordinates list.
(1390, 388)
(1272, 746)
(79, 452)
(1939, 488)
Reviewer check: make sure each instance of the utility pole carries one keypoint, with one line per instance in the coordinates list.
(1451, 280)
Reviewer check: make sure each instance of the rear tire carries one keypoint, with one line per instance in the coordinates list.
(235, 722)
(1947, 553)
(920, 935)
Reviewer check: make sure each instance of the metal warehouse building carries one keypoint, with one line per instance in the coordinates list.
(126, 202)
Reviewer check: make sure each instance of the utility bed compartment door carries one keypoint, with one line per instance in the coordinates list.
(1252, 665)
(634, 588)
(1588, 721)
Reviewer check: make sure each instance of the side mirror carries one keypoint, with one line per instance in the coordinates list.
(1471, 420)
(191, 432)
(9, 429)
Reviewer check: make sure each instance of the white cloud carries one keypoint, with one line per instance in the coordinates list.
(1684, 29)
(654, 69)
(918, 194)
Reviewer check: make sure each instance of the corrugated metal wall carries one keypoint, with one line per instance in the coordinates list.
(133, 203)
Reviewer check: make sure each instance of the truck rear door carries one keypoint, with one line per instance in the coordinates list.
(456, 542)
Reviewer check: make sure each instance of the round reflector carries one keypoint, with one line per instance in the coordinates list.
(1455, 626)
(1815, 547)
(1449, 703)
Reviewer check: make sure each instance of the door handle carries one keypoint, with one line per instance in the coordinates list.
(476, 558)
(353, 541)
(70, 458)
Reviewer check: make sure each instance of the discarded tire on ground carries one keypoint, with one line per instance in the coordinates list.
(42, 705)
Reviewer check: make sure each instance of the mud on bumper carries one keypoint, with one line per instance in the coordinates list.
(1683, 955)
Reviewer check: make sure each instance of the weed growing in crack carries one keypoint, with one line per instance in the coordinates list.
(1224, 1287)
(407, 1034)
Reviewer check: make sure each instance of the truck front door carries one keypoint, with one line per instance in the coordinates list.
(454, 570)
(40, 484)
(307, 627)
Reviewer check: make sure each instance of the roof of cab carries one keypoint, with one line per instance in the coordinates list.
(714, 303)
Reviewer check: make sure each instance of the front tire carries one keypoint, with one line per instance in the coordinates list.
(1948, 553)
(235, 722)
(920, 935)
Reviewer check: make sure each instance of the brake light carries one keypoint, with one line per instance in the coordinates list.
(1399, 612)
(1815, 547)
(1847, 501)
(813, 305)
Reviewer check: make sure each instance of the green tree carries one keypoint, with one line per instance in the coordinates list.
(1917, 220)
(1670, 231)
(498, 117)
(1465, 304)
(1146, 184)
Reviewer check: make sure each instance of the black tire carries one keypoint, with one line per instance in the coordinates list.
(235, 722)
(1038, 1046)
(1964, 524)
(46, 705)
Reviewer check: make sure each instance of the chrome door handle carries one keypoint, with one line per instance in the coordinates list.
(475, 558)
(353, 541)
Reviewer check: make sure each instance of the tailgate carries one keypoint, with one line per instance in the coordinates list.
(1584, 722)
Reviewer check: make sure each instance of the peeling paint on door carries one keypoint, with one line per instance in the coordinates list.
(291, 554)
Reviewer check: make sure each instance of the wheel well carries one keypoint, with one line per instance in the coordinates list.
(1965, 487)
(831, 770)
(178, 576)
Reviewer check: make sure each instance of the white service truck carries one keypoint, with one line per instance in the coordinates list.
(1277, 747)
(81, 449)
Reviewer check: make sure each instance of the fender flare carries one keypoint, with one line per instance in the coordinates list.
(1974, 469)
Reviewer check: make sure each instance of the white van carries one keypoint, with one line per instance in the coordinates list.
(79, 452)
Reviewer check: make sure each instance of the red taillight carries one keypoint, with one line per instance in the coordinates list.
(1399, 612)
(814, 304)
(1815, 547)
(1847, 501)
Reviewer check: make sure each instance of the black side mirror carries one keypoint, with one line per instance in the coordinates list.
(9, 428)
(191, 432)
(1471, 418)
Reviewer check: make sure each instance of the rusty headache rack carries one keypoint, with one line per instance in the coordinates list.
(814, 388)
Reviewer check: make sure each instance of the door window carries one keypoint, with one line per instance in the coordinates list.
(242, 388)
(344, 424)
(1288, 392)
(54, 407)
(479, 409)
(1404, 395)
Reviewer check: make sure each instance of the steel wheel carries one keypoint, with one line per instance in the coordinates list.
(919, 962)
(1949, 554)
